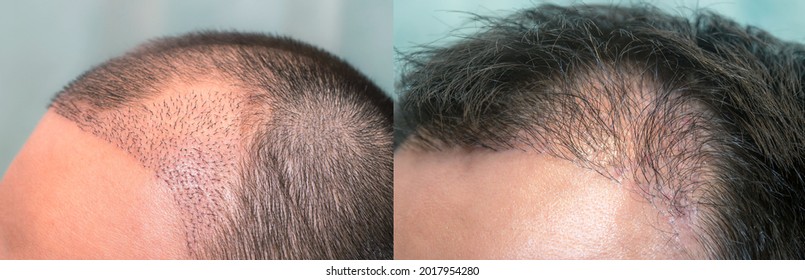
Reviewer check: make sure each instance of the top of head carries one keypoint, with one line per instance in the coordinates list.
(673, 107)
(209, 113)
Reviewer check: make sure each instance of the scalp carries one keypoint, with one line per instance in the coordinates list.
(189, 134)
(701, 115)
(262, 140)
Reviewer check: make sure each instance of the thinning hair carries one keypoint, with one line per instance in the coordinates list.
(272, 148)
(704, 117)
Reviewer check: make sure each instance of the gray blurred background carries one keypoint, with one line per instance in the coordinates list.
(45, 44)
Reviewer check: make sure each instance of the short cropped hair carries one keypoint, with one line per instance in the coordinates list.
(702, 116)
(272, 148)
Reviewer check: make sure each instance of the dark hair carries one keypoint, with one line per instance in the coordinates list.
(703, 116)
(273, 149)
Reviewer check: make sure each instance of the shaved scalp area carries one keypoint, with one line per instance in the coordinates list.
(190, 140)
(272, 148)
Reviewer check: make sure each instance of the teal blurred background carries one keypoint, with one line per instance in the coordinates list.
(418, 22)
(46, 44)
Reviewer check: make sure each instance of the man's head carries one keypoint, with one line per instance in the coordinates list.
(209, 145)
(602, 132)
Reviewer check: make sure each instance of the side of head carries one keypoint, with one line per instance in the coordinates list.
(686, 131)
(266, 148)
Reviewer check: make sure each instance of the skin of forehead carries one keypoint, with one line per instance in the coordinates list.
(519, 205)
(71, 195)
(190, 136)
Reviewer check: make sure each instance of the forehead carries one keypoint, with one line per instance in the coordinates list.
(69, 194)
(514, 204)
